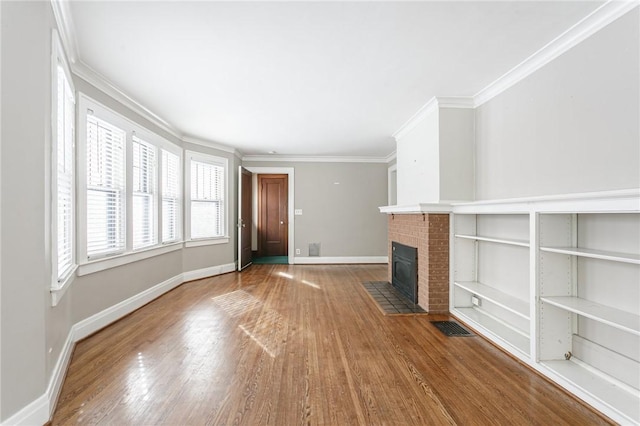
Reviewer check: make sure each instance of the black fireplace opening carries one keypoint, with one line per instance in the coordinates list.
(404, 270)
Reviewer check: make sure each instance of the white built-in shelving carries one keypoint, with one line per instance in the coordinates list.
(556, 282)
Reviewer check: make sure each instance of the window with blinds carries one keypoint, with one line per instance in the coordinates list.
(105, 188)
(65, 123)
(207, 199)
(170, 197)
(144, 194)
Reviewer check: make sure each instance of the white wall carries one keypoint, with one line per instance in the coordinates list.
(457, 171)
(418, 159)
(26, 108)
(572, 126)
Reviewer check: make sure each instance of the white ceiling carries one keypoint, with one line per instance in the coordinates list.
(303, 78)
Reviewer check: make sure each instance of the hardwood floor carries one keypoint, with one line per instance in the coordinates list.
(289, 345)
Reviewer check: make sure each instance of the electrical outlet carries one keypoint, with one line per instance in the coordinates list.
(476, 301)
(297, 251)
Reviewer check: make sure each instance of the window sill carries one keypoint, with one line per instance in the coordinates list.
(122, 259)
(57, 291)
(206, 242)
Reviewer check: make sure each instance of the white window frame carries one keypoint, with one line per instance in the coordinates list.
(59, 284)
(216, 161)
(86, 265)
(161, 196)
(152, 195)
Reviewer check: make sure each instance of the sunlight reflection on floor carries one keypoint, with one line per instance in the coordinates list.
(267, 329)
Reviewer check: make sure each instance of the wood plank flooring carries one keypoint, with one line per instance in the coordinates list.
(291, 345)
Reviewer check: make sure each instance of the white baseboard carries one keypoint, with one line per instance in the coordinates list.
(208, 272)
(59, 373)
(100, 320)
(313, 260)
(39, 411)
(36, 413)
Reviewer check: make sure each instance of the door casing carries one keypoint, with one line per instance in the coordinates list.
(290, 171)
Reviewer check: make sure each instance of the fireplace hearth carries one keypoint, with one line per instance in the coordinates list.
(404, 270)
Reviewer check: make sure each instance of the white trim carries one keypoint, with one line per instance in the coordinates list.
(594, 22)
(64, 19)
(623, 200)
(314, 159)
(390, 188)
(59, 374)
(206, 242)
(208, 272)
(290, 172)
(59, 291)
(123, 259)
(340, 260)
(209, 144)
(432, 105)
(391, 156)
(417, 208)
(59, 59)
(456, 102)
(36, 413)
(421, 114)
(101, 83)
(214, 160)
(41, 409)
(96, 322)
(626, 200)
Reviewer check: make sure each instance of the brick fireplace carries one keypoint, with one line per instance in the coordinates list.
(429, 233)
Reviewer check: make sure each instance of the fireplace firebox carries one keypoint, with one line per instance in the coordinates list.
(404, 270)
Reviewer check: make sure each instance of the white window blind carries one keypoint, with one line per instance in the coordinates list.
(144, 194)
(170, 196)
(105, 188)
(65, 175)
(207, 200)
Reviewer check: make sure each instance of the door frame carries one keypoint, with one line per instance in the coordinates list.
(290, 197)
(239, 224)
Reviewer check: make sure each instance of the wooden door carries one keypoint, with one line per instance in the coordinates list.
(245, 218)
(272, 220)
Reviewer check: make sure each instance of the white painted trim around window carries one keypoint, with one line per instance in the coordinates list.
(131, 128)
(206, 242)
(58, 291)
(122, 259)
(216, 161)
(59, 285)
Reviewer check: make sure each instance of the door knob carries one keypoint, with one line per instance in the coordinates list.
(282, 222)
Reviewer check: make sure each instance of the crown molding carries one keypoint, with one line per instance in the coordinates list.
(421, 114)
(66, 28)
(100, 82)
(592, 23)
(432, 105)
(456, 102)
(313, 159)
(214, 145)
(389, 158)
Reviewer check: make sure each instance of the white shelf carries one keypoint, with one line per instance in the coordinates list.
(505, 301)
(595, 254)
(520, 243)
(491, 327)
(605, 391)
(614, 317)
